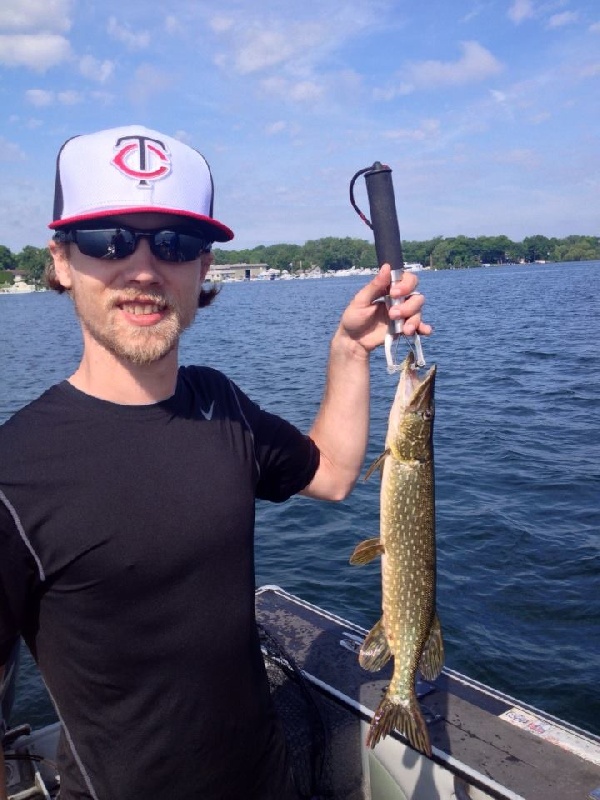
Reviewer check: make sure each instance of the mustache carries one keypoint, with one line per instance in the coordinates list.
(146, 297)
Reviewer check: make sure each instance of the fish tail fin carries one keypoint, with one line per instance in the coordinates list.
(406, 718)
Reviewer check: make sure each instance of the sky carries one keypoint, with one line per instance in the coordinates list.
(487, 111)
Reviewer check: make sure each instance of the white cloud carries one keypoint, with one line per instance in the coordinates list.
(42, 98)
(39, 15)
(540, 117)
(475, 64)
(560, 20)
(95, 70)
(133, 41)
(519, 157)
(36, 51)
(148, 81)
(221, 24)
(473, 14)
(105, 98)
(297, 91)
(429, 129)
(520, 10)
(69, 98)
(306, 91)
(9, 151)
(590, 70)
(595, 27)
(39, 97)
(264, 48)
(297, 42)
(275, 127)
(183, 136)
(30, 123)
(173, 25)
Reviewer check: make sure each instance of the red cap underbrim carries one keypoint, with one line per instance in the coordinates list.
(215, 229)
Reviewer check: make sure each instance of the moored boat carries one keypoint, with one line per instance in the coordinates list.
(20, 286)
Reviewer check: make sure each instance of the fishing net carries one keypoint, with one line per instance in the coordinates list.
(323, 737)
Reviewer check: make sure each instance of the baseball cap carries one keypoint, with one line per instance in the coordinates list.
(129, 170)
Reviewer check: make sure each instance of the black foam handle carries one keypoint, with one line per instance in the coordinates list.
(384, 218)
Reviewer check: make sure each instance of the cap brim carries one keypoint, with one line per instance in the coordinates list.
(215, 230)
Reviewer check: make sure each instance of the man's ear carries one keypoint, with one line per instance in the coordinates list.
(62, 266)
(206, 259)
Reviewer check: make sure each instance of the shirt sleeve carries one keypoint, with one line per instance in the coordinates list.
(18, 578)
(287, 459)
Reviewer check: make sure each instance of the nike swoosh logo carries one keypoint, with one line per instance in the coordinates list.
(208, 414)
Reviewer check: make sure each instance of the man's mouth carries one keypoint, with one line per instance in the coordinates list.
(138, 303)
(142, 308)
(145, 310)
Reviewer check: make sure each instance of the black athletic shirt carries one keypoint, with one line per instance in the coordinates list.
(127, 564)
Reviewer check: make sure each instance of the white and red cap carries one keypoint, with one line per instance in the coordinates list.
(131, 170)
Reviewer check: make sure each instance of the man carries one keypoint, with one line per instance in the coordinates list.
(127, 491)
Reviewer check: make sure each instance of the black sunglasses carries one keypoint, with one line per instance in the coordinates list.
(113, 244)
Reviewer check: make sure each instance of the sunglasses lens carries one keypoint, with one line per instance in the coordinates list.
(174, 247)
(116, 243)
(111, 243)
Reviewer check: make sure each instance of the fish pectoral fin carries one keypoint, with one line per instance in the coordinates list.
(375, 651)
(378, 463)
(432, 658)
(366, 551)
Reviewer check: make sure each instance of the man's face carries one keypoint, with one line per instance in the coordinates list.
(135, 308)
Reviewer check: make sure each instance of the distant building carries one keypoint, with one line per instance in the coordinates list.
(237, 272)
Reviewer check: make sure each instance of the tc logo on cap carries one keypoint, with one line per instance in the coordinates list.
(142, 158)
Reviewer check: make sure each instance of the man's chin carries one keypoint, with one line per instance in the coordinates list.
(143, 353)
(145, 346)
(144, 358)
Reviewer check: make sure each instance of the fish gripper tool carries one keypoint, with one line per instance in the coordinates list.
(388, 246)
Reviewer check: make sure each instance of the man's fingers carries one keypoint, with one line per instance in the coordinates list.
(405, 285)
(376, 288)
(412, 305)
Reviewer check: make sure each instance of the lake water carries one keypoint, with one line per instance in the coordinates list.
(517, 459)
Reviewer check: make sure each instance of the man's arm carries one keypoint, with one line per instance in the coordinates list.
(341, 427)
(3, 790)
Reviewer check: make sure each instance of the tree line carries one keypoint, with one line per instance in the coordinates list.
(333, 254)
(439, 253)
(30, 262)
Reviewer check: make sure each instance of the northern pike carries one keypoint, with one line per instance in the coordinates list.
(409, 629)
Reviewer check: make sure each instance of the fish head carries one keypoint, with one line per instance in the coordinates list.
(410, 427)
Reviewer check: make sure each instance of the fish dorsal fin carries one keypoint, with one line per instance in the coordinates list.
(378, 463)
(432, 658)
(375, 651)
(366, 551)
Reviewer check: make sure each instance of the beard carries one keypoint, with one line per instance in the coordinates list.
(137, 345)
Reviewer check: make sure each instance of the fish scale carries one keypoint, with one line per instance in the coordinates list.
(409, 629)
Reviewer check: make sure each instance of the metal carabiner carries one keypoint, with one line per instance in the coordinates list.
(395, 331)
(414, 343)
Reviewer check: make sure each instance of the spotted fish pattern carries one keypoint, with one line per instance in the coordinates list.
(409, 629)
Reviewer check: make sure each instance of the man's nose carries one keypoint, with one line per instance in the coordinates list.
(142, 265)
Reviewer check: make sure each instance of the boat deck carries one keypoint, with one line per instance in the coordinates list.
(490, 745)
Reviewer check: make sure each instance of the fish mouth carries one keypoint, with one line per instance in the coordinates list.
(418, 385)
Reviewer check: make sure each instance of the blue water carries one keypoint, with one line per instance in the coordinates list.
(517, 441)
